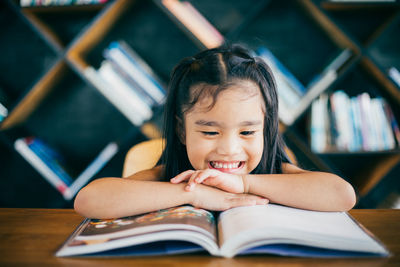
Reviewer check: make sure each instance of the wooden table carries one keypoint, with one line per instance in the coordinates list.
(31, 237)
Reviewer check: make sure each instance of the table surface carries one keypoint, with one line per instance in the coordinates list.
(32, 236)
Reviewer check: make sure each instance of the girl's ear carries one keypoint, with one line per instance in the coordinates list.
(180, 130)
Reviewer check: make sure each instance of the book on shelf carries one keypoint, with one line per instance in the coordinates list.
(36, 3)
(124, 90)
(116, 99)
(51, 165)
(45, 160)
(3, 112)
(194, 22)
(294, 98)
(290, 90)
(4, 103)
(392, 121)
(359, 123)
(394, 74)
(134, 69)
(262, 229)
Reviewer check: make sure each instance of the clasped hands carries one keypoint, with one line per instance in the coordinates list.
(216, 190)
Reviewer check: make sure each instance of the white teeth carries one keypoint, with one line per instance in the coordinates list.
(219, 165)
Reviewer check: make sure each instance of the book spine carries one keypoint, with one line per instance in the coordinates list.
(395, 75)
(390, 142)
(340, 107)
(190, 20)
(137, 70)
(393, 122)
(94, 167)
(129, 79)
(124, 90)
(318, 137)
(356, 122)
(3, 112)
(50, 161)
(21, 146)
(293, 82)
(368, 129)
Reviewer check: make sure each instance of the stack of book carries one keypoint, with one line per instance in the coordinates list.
(127, 82)
(352, 124)
(36, 3)
(194, 22)
(294, 97)
(51, 165)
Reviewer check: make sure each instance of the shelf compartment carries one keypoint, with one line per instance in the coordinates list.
(26, 54)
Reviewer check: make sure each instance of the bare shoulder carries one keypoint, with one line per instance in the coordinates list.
(153, 174)
(288, 168)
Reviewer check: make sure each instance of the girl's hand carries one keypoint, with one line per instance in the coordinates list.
(211, 198)
(225, 181)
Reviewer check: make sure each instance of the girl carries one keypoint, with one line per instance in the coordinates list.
(222, 149)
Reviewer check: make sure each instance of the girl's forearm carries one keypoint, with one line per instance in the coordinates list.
(116, 197)
(307, 190)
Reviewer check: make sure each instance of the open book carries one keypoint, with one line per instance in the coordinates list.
(272, 229)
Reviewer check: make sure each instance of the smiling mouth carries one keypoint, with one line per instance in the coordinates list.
(226, 166)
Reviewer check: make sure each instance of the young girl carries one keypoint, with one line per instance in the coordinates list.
(222, 149)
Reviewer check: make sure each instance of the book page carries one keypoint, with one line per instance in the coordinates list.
(332, 230)
(184, 217)
(178, 224)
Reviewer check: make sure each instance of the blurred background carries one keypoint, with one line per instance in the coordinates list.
(84, 81)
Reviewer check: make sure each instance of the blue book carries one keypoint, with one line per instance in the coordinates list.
(269, 229)
(51, 158)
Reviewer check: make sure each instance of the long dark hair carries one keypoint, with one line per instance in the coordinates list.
(219, 66)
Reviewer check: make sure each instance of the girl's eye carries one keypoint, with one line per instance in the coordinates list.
(247, 133)
(210, 133)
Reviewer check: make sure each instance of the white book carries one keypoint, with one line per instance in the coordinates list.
(121, 88)
(3, 110)
(270, 229)
(395, 75)
(317, 131)
(138, 74)
(341, 109)
(127, 110)
(102, 158)
(356, 120)
(370, 138)
(22, 147)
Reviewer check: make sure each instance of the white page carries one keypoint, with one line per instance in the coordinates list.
(335, 228)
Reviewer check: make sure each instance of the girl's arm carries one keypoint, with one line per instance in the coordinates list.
(141, 193)
(303, 189)
(295, 187)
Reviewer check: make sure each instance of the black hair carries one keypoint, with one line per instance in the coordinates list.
(220, 67)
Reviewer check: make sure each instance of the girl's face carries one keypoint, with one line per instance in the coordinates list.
(229, 136)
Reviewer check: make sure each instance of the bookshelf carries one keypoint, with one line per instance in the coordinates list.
(48, 94)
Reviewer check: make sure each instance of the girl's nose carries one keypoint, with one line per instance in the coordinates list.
(228, 145)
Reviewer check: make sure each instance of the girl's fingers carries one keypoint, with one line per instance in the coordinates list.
(182, 177)
(191, 181)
